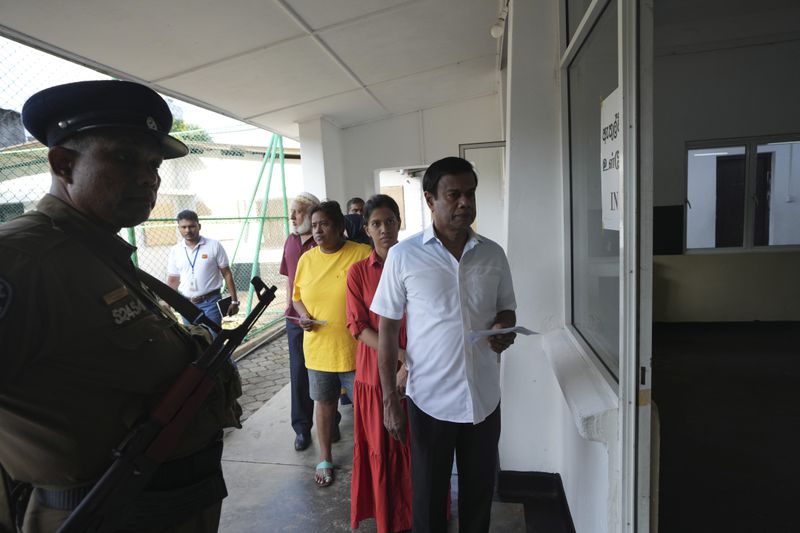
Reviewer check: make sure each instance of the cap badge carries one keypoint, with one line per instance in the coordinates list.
(151, 123)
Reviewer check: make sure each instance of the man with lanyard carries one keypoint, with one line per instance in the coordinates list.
(449, 281)
(197, 266)
(86, 349)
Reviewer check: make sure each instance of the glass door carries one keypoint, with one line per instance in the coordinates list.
(606, 87)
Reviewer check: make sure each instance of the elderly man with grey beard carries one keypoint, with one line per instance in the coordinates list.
(299, 242)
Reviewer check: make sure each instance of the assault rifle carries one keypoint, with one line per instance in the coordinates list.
(149, 444)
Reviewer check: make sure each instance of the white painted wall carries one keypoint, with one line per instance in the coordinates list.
(420, 138)
(468, 121)
(416, 139)
(490, 196)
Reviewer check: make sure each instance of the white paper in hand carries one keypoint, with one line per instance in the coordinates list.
(475, 336)
(317, 322)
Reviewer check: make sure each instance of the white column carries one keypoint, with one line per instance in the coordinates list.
(321, 148)
(532, 406)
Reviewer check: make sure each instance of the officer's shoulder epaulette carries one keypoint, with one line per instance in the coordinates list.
(32, 234)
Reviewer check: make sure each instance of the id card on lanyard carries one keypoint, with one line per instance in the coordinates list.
(192, 281)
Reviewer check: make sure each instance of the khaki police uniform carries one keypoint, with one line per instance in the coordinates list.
(85, 353)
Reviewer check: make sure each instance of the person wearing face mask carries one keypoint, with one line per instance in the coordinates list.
(319, 299)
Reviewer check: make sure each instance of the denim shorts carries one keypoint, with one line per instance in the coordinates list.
(326, 386)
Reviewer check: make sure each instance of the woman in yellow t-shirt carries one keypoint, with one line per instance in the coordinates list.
(320, 285)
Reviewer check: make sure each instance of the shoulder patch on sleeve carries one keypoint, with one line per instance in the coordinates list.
(6, 295)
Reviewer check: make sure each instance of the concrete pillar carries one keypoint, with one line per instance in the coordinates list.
(535, 233)
(323, 172)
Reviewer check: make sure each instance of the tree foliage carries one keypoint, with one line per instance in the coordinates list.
(189, 132)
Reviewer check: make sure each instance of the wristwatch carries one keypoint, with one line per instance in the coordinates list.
(234, 302)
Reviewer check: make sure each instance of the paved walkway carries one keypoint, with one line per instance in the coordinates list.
(264, 372)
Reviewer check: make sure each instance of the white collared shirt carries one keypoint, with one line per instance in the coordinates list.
(448, 378)
(208, 257)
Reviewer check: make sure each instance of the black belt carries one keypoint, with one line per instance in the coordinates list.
(204, 297)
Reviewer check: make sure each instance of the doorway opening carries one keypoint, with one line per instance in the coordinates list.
(404, 185)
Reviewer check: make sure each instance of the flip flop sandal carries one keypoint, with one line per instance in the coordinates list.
(320, 477)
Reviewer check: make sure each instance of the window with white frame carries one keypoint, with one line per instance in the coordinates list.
(591, 76)
(743, 195)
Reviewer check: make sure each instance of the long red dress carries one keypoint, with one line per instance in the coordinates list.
(381, 486)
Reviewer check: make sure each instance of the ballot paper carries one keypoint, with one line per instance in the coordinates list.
(317, 322)
(475, 336)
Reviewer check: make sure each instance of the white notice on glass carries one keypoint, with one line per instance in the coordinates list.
(611, 157)
(475, 336)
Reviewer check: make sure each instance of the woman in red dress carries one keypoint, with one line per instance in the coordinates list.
(381, 486)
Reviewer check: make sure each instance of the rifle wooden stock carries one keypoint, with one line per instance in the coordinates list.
(148, 445)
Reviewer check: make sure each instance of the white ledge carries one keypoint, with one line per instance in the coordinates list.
(589, 396)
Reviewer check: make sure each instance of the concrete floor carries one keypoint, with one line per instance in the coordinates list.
(271, 486)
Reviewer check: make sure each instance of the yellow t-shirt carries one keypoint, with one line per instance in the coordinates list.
(321, 283)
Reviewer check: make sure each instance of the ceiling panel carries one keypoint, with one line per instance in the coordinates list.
(423, 36)
(251, 60)
(467, 79)
(151, 39)
(280, 76)
(320, 14)
(342, 110)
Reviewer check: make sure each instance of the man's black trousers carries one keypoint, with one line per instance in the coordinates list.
(432, 445)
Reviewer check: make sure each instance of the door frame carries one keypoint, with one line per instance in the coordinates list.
(635, 78)
(639, 419)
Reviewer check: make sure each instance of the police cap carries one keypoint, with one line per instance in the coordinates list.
(57, 113)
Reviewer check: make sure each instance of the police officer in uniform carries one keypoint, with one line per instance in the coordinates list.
(86, 349)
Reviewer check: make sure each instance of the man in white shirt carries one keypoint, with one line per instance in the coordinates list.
(197, 266)
(448, 281)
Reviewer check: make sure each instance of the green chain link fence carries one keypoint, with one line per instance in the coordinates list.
(239, 192)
